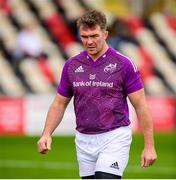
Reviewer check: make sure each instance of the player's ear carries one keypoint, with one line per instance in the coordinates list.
(106, 34)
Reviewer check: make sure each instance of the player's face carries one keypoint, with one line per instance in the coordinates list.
(94, 40)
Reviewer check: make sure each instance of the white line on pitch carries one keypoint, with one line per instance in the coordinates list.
(37, 164)
(71, 165)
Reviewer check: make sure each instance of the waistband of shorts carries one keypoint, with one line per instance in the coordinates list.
(123, 128)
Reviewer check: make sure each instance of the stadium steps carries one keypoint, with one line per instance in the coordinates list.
(22, 8)
(159, 56)
(51, 38)
(45, 69)
(171, 20)
(155, 72)
(10, 84)
(84, 4)
(132, 48)
(9, 33)
(6, 53)
(34, 77)
(54, 21)
(71, 11)
(163, 34)
(56, 56)
(8, 57)
(2, 93)
(32, 18)
(7, 44)
(102, 6)
(153, 84)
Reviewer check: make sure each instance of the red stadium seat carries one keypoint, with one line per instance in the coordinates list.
(60, 29)
(5, 7)
(45, 69)
(135, 23)
(146, 67)
(172, 22)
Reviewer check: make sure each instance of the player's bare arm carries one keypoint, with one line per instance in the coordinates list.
(138, 100)
(54, 117)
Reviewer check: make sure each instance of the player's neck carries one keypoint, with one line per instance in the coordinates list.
(100, 53)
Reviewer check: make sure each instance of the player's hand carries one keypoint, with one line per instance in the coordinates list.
(148, 157)
(44, 144)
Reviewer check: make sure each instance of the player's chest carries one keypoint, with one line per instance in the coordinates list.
(86, 77)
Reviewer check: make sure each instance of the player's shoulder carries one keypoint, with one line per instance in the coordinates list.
(78, 57)
(123, 59)
(119, 56)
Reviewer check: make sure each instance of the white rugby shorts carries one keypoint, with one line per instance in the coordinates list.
(107, 152)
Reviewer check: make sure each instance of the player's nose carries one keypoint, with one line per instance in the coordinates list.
(89, 41)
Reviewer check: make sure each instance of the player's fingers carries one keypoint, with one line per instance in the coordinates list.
(142, 161)
(39, 147)
(42, 147)
(152, 161)
(43, 151)
(48, 144)
(147, 162)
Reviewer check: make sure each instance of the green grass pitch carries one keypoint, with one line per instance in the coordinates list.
(19, 158)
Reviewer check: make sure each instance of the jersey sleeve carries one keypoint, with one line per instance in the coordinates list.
(132, 79)
(64, 87)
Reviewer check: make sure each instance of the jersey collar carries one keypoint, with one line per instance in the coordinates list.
(101, 59)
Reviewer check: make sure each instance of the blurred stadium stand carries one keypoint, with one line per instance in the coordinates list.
(143, 30)
(150, 42)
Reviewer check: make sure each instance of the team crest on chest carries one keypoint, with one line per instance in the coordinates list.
(110, 68)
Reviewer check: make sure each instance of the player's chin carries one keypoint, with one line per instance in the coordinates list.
(92, 51)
